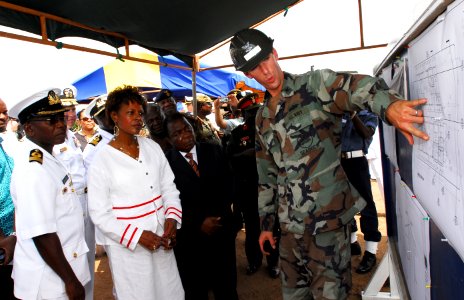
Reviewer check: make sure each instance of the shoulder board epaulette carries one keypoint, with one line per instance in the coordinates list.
(96, 140)
(36, 155)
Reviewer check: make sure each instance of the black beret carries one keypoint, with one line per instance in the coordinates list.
(163, 94)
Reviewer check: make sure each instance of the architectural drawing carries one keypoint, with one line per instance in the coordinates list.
(436, 72)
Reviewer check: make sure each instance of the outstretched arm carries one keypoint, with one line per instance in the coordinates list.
(403, 115)
(351, 92)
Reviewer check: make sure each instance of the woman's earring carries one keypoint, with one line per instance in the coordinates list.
(116, 130)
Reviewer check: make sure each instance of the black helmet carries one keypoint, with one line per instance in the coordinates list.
(248, 48)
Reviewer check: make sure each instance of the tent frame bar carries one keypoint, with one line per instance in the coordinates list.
(90, 50)
(433, 11)
(311, 54)
(361, 47)
(217, 46)
(45, 41)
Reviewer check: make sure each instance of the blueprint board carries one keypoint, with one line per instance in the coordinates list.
(413, 241)
(436, 72)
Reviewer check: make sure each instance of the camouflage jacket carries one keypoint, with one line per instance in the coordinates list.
(207, 133)
(298, 144)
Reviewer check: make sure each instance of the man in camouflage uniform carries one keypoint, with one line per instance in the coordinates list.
(206, 130)
(298, 160)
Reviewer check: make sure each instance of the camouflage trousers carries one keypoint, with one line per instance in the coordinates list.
(316, 266)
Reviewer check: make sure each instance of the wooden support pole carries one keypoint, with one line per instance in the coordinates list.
(361, 29)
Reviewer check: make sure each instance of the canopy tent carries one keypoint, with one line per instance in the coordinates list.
(152, 78)
(311, 30)
(182, 28)
(192, 31)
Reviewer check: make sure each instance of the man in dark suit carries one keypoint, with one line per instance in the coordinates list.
(205, 249)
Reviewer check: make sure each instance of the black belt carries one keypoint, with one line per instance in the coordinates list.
(352, 154)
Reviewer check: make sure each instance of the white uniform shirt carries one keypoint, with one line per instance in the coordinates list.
(70, 154)
(93, 146)
(45, 202)
(127, 196)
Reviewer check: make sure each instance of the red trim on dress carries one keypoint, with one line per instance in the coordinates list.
(140, 216)
(132, 236)
(124, 234)
(172, 207)
(173, 213)
(137, 205)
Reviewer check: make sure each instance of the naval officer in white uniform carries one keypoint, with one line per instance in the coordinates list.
(50, 256)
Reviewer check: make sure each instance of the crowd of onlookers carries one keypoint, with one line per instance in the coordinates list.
(195, 203)
(166, 202)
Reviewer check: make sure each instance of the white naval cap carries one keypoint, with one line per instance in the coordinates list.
(46, 102)
(96, 106)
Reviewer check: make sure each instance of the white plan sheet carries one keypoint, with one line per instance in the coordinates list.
(436, 72)
(413, 241)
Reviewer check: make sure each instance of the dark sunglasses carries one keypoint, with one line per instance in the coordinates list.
(52, 120)
(85, 119)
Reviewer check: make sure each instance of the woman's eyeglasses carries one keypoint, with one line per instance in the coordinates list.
(85, 119)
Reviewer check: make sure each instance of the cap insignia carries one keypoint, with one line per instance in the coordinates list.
(68, 93)
(53, 98)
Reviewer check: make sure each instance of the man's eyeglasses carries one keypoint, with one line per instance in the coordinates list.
(85, 119)
(52, 120)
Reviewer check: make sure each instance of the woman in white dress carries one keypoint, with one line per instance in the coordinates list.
(134, 202)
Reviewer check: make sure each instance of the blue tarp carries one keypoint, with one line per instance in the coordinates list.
(212, 82)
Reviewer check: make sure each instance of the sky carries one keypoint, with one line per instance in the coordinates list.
(316, 26)
(311, 26)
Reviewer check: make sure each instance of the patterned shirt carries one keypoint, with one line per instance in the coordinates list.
(6, 203)
(298, 143)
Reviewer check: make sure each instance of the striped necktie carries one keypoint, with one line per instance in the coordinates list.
(193, 164)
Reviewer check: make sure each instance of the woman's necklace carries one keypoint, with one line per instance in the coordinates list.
(129, 149)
